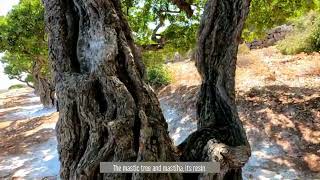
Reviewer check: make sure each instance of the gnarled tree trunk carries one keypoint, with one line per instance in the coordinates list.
(43, 85)
(107, 112)
(220, 135)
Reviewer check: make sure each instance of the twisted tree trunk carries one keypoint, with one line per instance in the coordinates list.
(220, 135)
(108, 113)
(43, 85)
(45, 89)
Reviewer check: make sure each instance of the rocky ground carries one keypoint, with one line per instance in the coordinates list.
(278, 101)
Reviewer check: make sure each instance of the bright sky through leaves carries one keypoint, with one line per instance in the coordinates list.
(5, 7)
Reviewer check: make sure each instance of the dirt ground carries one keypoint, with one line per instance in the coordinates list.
(24, 126)
(278, 101)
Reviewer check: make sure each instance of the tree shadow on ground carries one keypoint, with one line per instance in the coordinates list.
(18, 136)
(178, 107)
(14, 101)
(290, 118)
(183, 97)
(282, 123)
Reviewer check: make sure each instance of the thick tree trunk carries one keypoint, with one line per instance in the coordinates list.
(107, 112)
(45, 90)
(220, 135)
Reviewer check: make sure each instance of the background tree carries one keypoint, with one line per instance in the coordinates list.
(24, 42)
(108, 113)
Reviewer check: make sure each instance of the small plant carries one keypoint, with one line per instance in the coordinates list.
(295, 43)
(16, 86)
(305, 37)
(158, 76)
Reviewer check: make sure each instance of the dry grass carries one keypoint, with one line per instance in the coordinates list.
(243, 49)
(250, 62)
(315, 69)
(251, 71)
(184, 73)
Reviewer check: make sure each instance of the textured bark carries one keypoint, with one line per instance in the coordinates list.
(43, 85)
(107, 112)
(220, 135)
(44, 88)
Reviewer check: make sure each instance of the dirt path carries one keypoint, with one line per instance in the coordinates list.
(281, 115)
(279, 104)
(27, 144)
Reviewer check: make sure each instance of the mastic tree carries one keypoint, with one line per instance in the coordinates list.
(147, 18)
(24, 43)
(107, 111)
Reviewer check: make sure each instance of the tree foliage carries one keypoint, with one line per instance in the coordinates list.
(180, 31)
(265, 14)
(24, 42)
(150, 17)
(305, 36)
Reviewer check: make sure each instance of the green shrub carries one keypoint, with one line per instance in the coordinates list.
(158, 76)
(304, 38)
(295, 43)
(16, 86)
(156, 57)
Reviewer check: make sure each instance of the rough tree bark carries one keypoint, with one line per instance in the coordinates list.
(45, 90)
(42, 85)
(107, 112)
(220, 135)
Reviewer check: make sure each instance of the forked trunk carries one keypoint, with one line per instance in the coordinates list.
(107, 112)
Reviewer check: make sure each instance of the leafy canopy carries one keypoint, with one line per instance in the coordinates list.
(23, 40)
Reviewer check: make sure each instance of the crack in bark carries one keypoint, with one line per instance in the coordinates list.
(100, 98)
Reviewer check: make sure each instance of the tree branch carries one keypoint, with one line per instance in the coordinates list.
(24, 81)
(183, 5)
(169, 11)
